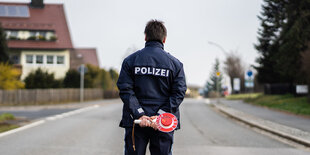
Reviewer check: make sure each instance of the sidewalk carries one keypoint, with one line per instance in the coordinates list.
(289, 126)
(283, 118)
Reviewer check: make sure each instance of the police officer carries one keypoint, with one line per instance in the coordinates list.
(151, 82)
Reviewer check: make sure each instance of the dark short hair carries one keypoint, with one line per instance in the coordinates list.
(155, 30)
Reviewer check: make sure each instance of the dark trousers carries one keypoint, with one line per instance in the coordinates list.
(160, 142)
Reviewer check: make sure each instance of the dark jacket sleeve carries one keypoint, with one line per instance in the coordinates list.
(125, 85)
(178, 89)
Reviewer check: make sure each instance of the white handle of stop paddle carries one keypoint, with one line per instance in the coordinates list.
(137, 121)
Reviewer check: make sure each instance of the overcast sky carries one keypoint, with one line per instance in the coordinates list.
(115, 26)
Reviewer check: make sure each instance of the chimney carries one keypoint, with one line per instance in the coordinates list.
(37, 4)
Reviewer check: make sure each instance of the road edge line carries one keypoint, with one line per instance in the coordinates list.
(49, 118)
(22, 128)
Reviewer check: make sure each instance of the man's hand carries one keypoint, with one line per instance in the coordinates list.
(153, 124)
(145, 121)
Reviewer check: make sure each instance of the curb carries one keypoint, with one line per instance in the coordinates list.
(296, 135)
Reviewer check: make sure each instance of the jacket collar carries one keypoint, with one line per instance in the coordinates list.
(154, 44)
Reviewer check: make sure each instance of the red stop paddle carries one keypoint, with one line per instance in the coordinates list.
(165, 122)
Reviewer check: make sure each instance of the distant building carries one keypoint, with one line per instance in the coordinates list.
(38, 36)
(192, 91)
(83, 56)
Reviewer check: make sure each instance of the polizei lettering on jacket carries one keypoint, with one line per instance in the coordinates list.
(152, 71)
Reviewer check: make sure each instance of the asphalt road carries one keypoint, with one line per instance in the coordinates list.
(33, 114)
(36, 112)
(96, 131)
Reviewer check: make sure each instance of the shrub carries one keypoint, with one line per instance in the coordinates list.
(107, 82)
(13, 38)
(6, 116)
(41, 79)
(53, 38)
(72, 79)
(41, 38)
(100, 78)
(9, 77)
(32, 38)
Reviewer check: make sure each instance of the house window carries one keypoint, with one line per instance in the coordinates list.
(49, 59)
(32, 33)
(29, 59)
(13, 35)
(39, 59)
(60, 60)
(41, 35)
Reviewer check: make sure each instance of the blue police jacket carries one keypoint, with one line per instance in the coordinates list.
(151, 82)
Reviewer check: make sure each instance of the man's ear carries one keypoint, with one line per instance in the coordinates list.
(145, 38)
(164, 40)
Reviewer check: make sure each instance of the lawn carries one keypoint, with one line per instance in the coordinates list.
(289, 103)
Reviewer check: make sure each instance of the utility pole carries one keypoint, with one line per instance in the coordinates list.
(82, 72)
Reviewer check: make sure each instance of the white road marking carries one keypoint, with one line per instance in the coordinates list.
(63, 115)
(50, 118)
(22, 128)
(207, 101)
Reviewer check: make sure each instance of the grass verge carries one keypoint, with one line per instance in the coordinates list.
(4, 126)
(289, 103)
(6, 116)
(243, 96)
(7, 127)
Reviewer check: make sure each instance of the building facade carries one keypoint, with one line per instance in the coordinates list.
(38, 36)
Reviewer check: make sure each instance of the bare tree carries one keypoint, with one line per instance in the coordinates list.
(233, 67)
(129, 51)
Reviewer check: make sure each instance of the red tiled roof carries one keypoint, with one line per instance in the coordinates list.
(83, 56)
(51, 17)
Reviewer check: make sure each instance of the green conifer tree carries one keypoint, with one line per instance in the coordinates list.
(215, 82)
(3, 46)
(272, 19)
(283, 37)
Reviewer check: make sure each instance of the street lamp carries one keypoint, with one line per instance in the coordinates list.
(219, 46)
(225, 53)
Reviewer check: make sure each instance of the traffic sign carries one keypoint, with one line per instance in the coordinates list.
(249, 73)
(249, 79)
(236, 84)
(82, 68)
